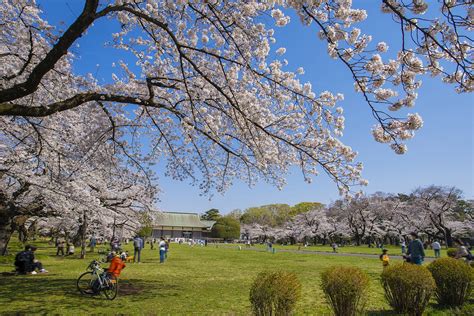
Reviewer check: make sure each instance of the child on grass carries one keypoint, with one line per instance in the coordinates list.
(384, 258)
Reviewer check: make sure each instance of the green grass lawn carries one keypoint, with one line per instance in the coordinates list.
(198, 280)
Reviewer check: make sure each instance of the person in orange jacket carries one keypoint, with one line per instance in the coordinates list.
(116, 266)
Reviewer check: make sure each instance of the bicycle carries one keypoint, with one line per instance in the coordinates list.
(97, 280)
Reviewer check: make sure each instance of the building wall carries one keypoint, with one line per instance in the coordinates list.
(179, 233)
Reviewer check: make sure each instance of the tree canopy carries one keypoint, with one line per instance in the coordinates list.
(205, 90)
(227, 228)
(211, 215)
(435, 212)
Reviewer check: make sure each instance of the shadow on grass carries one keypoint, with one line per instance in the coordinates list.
(466, 310)
(46, 293)
(380, 313)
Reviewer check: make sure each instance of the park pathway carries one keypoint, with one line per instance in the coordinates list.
(317, 252)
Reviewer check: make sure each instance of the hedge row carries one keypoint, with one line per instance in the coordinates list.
(408, 288)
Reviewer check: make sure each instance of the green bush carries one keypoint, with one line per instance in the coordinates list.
(345, 289)
(408, 288)
(453, 281)
(275, 293)
(451, 252)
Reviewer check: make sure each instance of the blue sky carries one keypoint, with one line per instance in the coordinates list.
(441, 153)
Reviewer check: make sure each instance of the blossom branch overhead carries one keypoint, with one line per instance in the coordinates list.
(207, 93)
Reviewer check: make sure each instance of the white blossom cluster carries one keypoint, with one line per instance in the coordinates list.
(203, 93)
(430, 211)
(393, 83)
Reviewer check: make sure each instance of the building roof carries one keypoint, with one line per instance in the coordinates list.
(178, 219)
(208, 224)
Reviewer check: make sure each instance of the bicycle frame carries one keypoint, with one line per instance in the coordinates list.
(98, 271)
(95, 280)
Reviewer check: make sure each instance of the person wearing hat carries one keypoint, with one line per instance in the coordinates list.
(116, 265)
(384, 258)
(26, 263)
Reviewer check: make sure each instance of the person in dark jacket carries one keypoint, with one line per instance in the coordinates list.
(416, 252)
(137, 247)
(25, 262)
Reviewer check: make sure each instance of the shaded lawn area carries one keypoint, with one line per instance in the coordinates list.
(198, 280)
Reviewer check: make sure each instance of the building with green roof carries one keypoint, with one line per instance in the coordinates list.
(181, 225)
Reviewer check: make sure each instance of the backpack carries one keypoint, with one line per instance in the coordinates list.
(95, 286)
(22, 257)
(137, 243)
(23, 262)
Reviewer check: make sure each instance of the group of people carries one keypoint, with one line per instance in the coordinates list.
(139, 244)
(61, 245)
(415, 253)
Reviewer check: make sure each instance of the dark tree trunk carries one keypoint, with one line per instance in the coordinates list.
(6, 228)
(357, 239)
(6, 233)
(448, 237)
(83, 235)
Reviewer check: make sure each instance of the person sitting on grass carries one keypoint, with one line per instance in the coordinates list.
(25, 262)
(116, 265)
(462, 251)
(71, 249)
(384, 258)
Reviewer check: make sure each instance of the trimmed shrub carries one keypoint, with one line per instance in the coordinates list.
(453, 281)
(408, 288)
(275, 293)
(345, 288)
(451, 252)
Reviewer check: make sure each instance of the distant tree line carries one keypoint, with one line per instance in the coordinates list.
(435, 212)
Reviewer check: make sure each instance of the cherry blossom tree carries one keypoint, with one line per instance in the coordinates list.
(202, 90)
(435, 212)
(59, 166)
(441, 217)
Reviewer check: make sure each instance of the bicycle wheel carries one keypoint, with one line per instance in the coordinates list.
(85, 283)
(110, 287)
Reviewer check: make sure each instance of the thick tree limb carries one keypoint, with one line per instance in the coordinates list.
(60, 49)
(75, 101)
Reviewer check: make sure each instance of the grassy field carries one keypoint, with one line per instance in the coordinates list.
(364, 249)
(198, 280)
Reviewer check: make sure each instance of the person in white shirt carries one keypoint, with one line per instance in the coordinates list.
(162, 248)
(437, 248)
(404, 246)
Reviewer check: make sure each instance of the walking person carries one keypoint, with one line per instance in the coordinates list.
(334, 247)
(162, 248)
(269, 246)
(404, 246)
(93, 243)
(167, 248)
(416, 251)
(137, 246)
(60, 247)
(437, 248)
